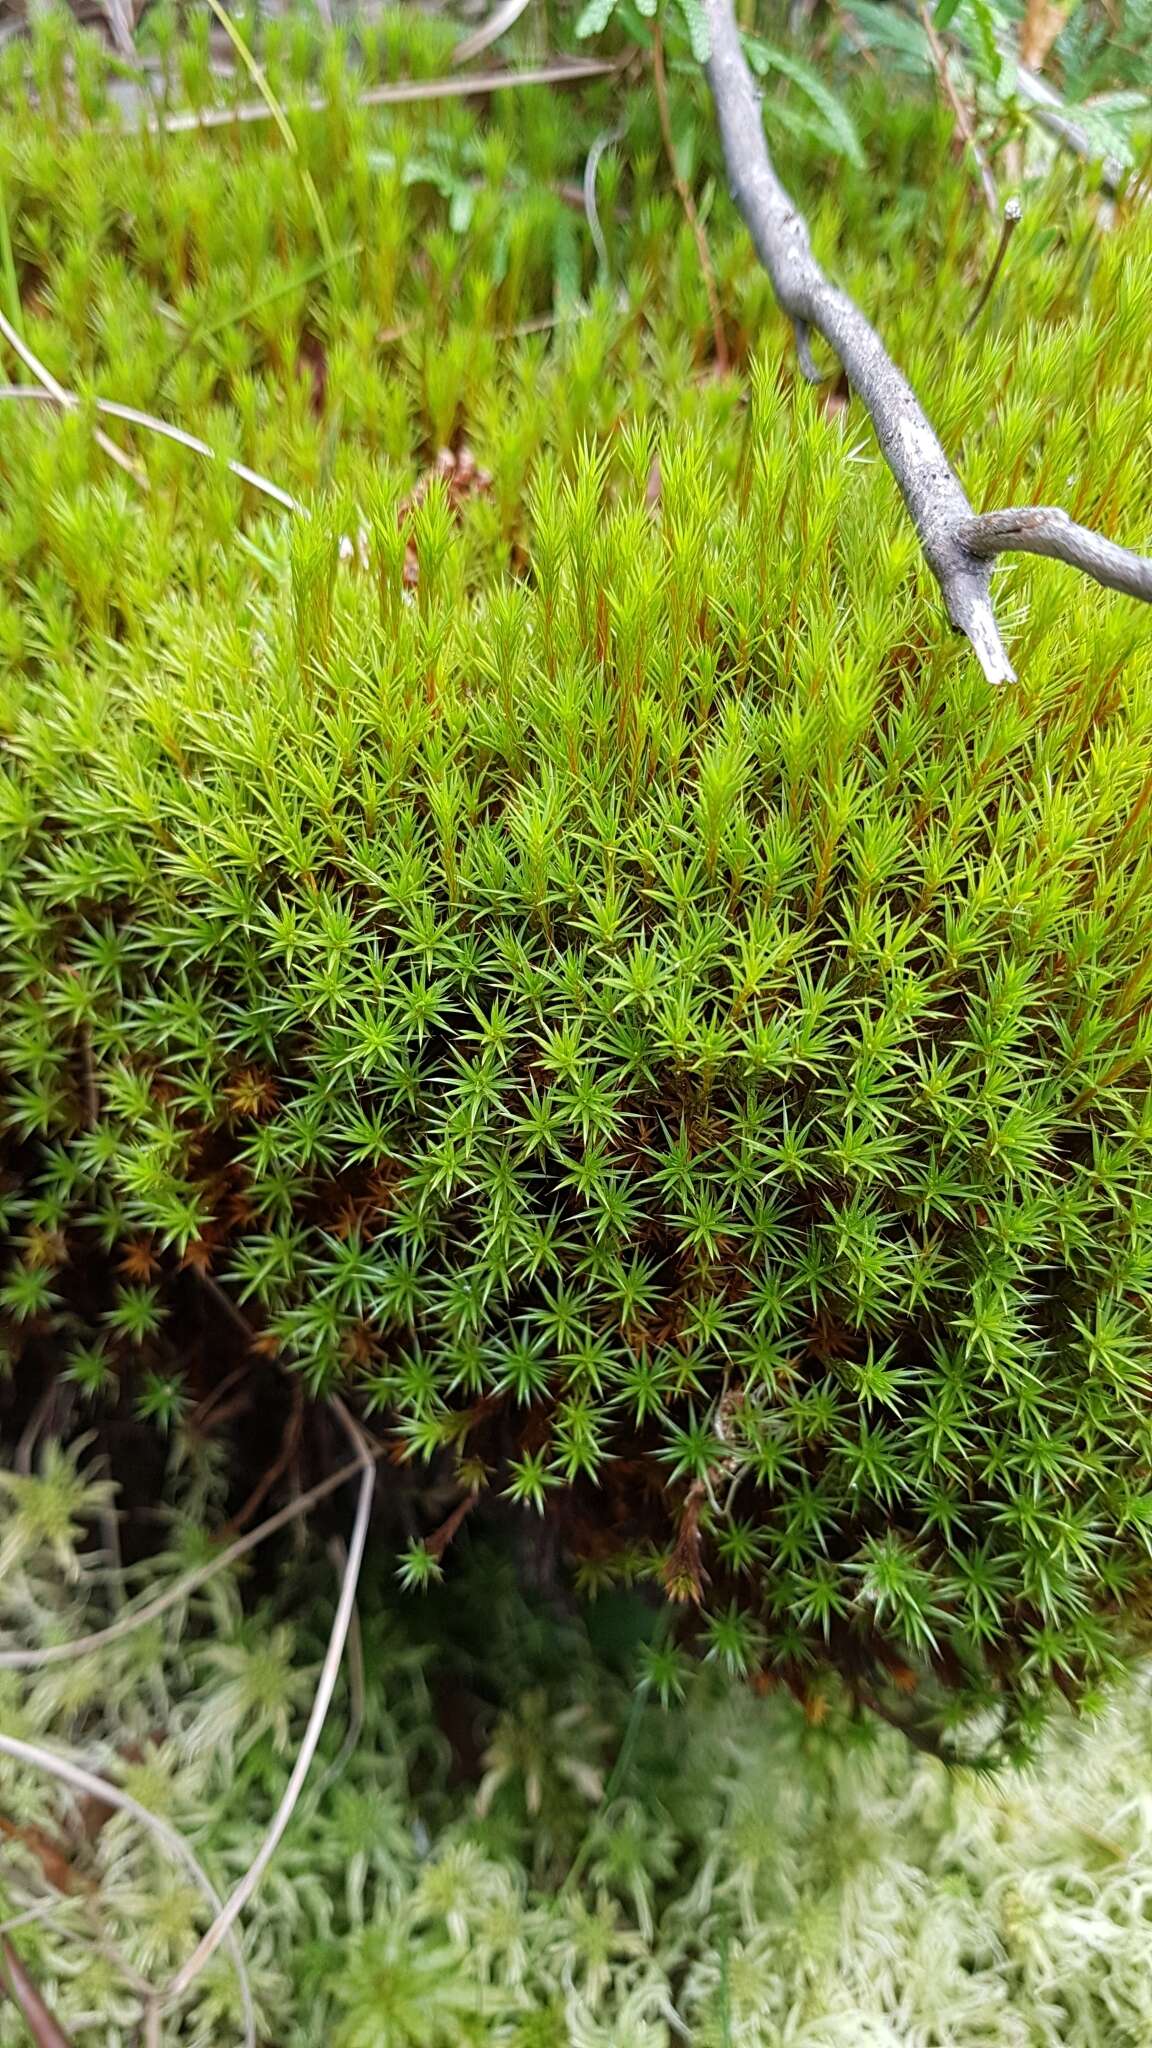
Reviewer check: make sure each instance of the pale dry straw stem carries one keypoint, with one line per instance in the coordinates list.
(134, 417)
(94, 1787)
(959, 546)
(52, 388)
(684, 194)
(400, 93)
(490, 30)
(224, 1923)
(100, 1639)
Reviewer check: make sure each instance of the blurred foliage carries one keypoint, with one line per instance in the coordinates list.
(734, 1871)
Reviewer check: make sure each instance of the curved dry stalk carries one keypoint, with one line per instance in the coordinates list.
(604, 141)
(490, 30)
(83, 1646)
(134, 417)
(960, 115)
(81, 1780)
(223, 1925)
(958, 545)
(357, 1694)
(42, 2024)
(49, 387)
(684, 194)
(1013, 213)
(1048, 530)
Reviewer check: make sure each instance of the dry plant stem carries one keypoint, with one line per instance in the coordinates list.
(41, 2024)
(935, 498)
(83, 1646)
(404, 92)
(338, 1552)
(438, 1542)
(147, 420)
(490, 30)
(604, 141)
(960, 113)
(279, 1465)
(53, 389)
(1047, 110)
(259, 79)
(81, 1780)
(660, 81)
(1012, 213)
(224, 1923)
(1047, 530)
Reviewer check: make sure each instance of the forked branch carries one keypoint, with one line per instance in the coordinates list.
(959, 544)
(1046, 530)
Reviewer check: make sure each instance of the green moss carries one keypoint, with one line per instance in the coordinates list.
(587, 963)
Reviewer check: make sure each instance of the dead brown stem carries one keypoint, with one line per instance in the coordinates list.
(960, 114)
(683, 192)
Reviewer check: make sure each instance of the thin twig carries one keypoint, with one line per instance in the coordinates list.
(490, 30)
(152, 425)
(43, 2026)
(357, 1694)
(1047, 530)
(1012, 213)
(81, 1780)
(222, 1927)
(61, 1653)
(960, 115)
(208, 1281)
(437, 1543)
(206, 1408)
(660, 81)
(401, 92)
(279, 1465)
(959, 546)
(54, 389)
(604, 141)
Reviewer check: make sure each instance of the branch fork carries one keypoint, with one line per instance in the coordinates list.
(960, 545)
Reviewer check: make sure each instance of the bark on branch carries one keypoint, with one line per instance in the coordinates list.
(1046, 530)
(959, 545)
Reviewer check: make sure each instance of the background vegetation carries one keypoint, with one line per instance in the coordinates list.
(613, 1872)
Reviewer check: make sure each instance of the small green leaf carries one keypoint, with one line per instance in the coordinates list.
(765, 57)
(595, 17)
(696, 24)
(944, 11)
